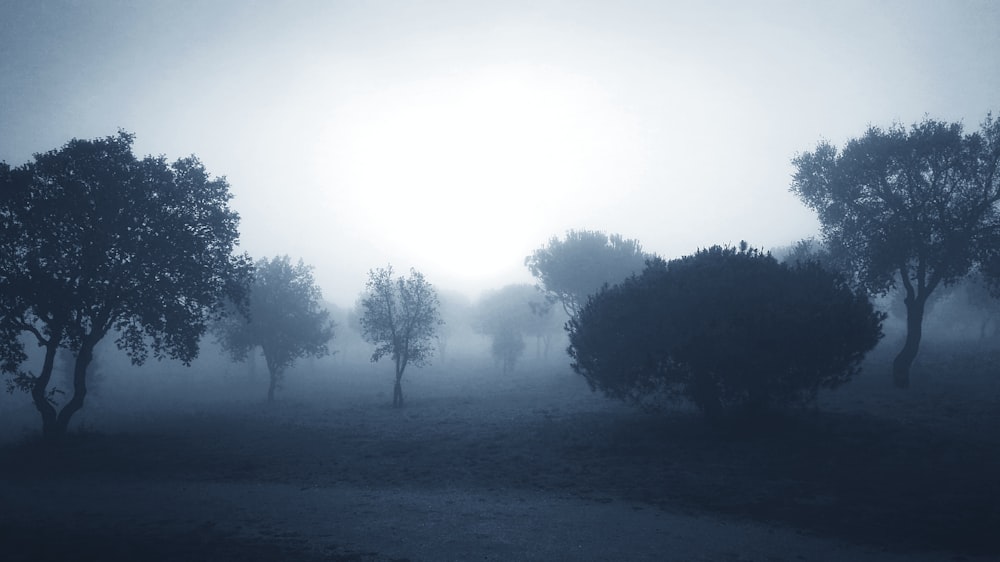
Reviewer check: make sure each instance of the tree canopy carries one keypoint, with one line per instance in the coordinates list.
(285, 317)
(916, 207)
(95, 241)
(572, 269)
(729, 329)
(400, 318)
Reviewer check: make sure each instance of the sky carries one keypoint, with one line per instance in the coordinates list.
(458, 137)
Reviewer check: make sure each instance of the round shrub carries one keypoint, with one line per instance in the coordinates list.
(728, 329)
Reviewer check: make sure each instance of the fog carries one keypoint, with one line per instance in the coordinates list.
(457, 137)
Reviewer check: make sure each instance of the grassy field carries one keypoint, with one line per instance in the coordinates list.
(529, 466)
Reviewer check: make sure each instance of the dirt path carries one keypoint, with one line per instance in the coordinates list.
(349, 523)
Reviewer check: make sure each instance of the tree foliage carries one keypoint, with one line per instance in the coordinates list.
(95, 241)
(916, 207)
(400, 318)
(572, 269)
(285, 317)
(729, 329)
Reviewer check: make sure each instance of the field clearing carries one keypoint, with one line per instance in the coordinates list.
(531, 466)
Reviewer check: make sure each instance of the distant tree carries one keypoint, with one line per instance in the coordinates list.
(285, 318)
(572, 269)
(805, 250)
(989, 272)
(730, 329)
(507, 346)
(502, 315)
(983, 295)
(400, 318)
(917, 207)
(509, 314)
(544, 324)
(455, 311)
(969, 302)
(95, 241)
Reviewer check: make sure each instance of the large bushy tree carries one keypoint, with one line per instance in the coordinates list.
(400, 317)
(571, 269)
(95, 241)
(285, 317)
(729, 329)
(916, 207)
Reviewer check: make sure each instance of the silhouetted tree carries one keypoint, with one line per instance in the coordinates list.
(96, 241)
(725, 328)
(285, 318)
(572, 269)
(916, 207)
(400, 318)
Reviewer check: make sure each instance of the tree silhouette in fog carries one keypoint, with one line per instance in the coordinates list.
(915, 207)
(509, 314)
(456, 311)
(730, 329)
(96, 241)
(400, 317)
(572, 269)
(285, 318)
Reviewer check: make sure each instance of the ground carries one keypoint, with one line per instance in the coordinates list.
(527, 466)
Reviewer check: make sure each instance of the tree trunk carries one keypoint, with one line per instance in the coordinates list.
(274, 373)
(39, 394)
(83, 359)
(914, 331)
(397, 389)
(397, 392)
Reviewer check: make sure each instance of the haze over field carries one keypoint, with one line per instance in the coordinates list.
(457, 137)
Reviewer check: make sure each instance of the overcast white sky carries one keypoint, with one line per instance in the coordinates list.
(457, 137)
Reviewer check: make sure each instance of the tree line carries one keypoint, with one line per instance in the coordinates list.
(96, 242)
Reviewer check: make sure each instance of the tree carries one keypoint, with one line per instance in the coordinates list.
(455, 309)
(96, 241)
(501, 315)
(285, 318)
(509, 314)
(730, 330)
(400, 319)
(914, 207)
(544, 323)
(572, 269)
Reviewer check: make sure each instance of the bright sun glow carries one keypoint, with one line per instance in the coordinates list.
(469, 173)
